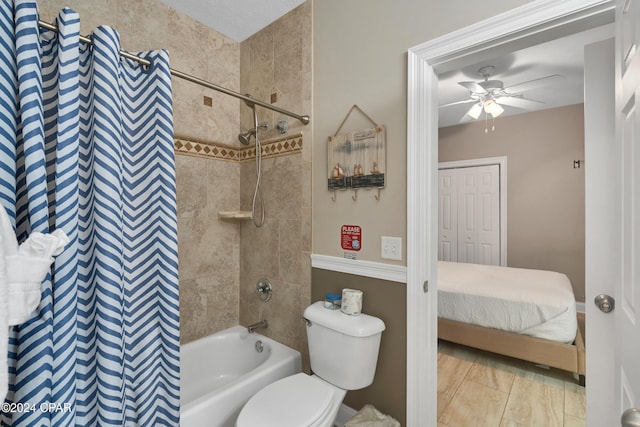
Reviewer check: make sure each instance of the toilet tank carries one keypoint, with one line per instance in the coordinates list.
(343, 349)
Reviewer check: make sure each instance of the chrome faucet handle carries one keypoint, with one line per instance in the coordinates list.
(264, 289)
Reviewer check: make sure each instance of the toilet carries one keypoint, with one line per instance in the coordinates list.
(343, 351)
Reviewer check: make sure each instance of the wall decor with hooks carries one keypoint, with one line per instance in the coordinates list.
(357, 159)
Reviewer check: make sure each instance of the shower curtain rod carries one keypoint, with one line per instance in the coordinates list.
(248, 99)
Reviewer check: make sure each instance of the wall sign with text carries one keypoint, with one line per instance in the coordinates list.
(351, 237)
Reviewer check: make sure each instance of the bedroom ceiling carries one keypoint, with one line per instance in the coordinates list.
(237, 19)
(562, 56)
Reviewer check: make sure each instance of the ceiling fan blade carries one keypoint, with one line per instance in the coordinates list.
(473, 87)
(525, 104)
(466, 101)
(532, 84)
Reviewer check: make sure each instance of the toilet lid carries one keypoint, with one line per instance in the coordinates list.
(298, 400)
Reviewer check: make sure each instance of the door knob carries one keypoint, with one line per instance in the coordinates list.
(630, 418)
(605, 303)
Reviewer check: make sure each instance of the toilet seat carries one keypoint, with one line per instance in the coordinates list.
(298, 400)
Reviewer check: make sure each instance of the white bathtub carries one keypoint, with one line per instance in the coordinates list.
(220, 372)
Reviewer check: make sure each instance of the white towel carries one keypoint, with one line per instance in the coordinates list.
(4, 315)
(22, 270)
(26, 270)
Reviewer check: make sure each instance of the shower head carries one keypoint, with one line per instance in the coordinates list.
(245, 138)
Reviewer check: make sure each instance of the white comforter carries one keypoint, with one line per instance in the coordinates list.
(531, 302)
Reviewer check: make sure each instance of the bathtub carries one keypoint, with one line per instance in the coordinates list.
(220, 372)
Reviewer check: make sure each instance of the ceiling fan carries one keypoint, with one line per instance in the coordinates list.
(490, 95)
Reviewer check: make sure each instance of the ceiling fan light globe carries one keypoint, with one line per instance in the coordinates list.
(497, 110)
(475, 110)
(493, 108)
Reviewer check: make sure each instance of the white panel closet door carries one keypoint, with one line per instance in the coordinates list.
(447, 216)
(488, 215)
(467, 214)
(470, 211)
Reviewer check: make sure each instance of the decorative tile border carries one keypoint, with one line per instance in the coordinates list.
(199, 149)
(275, 147)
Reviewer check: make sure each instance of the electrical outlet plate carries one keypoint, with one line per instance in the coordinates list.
(391, 248)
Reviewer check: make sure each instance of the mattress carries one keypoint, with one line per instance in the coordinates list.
(530, 302)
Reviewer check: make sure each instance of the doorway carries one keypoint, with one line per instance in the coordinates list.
(537, 22)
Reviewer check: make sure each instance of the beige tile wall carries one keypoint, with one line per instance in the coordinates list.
(214, 278)
(208, 249)
(277, 251)
(193, 47)
(277, 61)
(213, 258)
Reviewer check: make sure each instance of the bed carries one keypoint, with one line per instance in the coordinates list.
(522, 313)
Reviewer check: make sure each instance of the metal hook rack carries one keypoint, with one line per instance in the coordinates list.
(354, 197)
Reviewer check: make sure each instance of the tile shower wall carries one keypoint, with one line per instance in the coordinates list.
(279, 251)
(276, 67)
(209, 249)
(194, 49)
(210, 258)
(214, 279)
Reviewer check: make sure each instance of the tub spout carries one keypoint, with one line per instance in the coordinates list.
(260, 325)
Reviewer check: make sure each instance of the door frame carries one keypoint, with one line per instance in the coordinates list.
(530, 24)
(501, 161)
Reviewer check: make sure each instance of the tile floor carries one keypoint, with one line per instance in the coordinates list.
(481, 389)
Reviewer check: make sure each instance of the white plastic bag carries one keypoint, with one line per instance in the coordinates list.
(369, 416)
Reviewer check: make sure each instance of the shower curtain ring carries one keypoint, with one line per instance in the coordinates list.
(248, 102)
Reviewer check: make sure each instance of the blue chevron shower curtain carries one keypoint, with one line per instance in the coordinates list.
(86, 146)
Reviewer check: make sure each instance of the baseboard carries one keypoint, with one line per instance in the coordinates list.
(345, 413)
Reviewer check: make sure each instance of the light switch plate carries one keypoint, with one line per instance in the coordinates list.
(391, 248)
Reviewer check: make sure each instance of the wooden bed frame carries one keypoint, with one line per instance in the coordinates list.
(568, 357)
